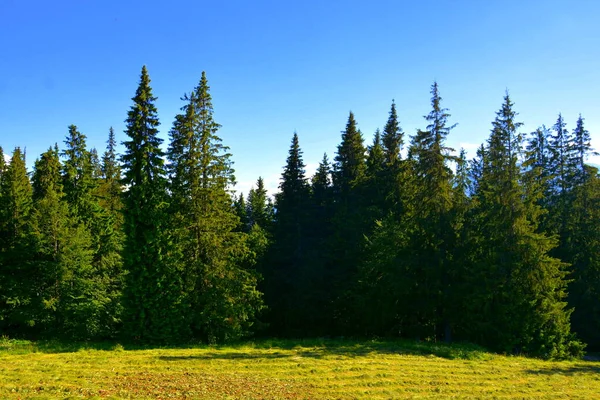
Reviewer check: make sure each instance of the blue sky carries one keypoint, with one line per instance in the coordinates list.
(276, 67)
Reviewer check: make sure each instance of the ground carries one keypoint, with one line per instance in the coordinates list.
(317, 369)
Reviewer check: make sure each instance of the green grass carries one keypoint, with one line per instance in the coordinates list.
(285, 370)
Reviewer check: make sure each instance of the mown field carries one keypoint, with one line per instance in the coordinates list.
(286, 370)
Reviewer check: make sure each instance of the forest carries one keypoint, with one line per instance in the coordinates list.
(400, 237)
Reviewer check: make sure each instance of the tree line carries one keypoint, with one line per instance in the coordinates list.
(399, 238)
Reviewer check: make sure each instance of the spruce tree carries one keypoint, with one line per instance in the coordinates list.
(72, 295)
(376, 185)
(152, 297)
(16, 247)
(82, 179)
(514, 281)
(221, 289)
(350, 220)
(259, 210)
(432, 237)
(286, 280)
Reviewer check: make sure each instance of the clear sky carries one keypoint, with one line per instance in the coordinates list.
(276, 67)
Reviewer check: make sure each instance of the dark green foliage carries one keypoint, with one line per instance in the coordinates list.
(349, 221)
(214, 258)
(289, 250)
(70, 298)
(583, 248)
(153, 294)
(516, 284)
(501, 250)
(82, 188)
(16, 246)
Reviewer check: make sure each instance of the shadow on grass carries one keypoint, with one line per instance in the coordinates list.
(592, 368)
(335, 348)
(263, 349)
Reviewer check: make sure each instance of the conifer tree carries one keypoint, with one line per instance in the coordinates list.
(515, 283)
(153, 298)
(81, 180)
(393, 138)
(259, 210)
(2, 162)
(350, 220)
(221, 291)
(241, 210)
(376, 185)
(16, 246)
(433, 233)
(582, 249)
(289, 250)
(582, 148)
(73, 297)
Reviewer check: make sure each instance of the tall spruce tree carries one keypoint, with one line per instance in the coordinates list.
(72, 295)
(285, 280)
(153, 294)
(221, 290)
(350, 220)
(16, 247)
(514, 281)
(432, 237)
(81, 180)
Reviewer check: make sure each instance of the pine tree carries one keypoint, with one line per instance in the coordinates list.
(221, 289)
(152, 297)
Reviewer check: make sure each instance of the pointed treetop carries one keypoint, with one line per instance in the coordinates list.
(392, 139)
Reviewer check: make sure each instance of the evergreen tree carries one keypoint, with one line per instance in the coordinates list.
(110, 190)
(582, 148)
(515, 283)
(259, 210)
(285, 280)
(583, 248)
(2, 163)
(221, 290)
(81, 180)
(350, 220)
(393, 138)
(241, 210)
(432, 237)
(16, 246)
(71, 295)
(376, 185)
(153, 293)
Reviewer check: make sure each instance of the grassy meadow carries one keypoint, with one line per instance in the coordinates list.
(285, 370)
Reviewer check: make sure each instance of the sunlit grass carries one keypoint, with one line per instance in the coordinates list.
(285, 370)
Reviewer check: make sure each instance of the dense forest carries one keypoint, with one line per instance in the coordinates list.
(401, 237)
